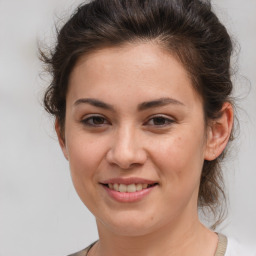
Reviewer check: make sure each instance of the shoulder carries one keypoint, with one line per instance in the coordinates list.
(234, 248)
(84, 251)
(80, 253)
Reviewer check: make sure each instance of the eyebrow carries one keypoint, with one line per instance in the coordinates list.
(142, 106)
(94, 102)
(158, 103)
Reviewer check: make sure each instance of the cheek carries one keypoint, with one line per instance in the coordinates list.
(84, 160)
(85, 156)
(179, 163)
(180, 157)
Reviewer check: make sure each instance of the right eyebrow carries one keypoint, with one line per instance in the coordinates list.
(94, 102)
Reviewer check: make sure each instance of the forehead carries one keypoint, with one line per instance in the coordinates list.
(130, 69)
(131, 56)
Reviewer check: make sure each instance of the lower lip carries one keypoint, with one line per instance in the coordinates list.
(125, 197)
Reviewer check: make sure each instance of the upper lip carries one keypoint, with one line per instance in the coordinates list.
(127, 181)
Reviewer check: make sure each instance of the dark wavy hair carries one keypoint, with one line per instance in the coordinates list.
(188, 29)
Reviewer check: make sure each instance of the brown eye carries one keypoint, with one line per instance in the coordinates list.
(98, 120)
(95, 121)
(159, 121)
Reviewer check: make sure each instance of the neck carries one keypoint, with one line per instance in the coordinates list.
(189, 238)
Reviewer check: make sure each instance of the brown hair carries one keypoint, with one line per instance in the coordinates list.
(188, 29)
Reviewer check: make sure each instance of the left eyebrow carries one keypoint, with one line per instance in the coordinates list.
(158, 103)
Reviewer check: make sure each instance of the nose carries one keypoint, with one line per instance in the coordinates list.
(126, 150)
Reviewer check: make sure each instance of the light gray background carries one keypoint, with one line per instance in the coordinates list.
(40, 213)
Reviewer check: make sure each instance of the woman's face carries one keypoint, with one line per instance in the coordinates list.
(135, 138)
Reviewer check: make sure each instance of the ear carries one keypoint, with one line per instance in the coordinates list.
(61, 139)
(218, 132)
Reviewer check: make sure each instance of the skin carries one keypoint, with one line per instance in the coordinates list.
(166, 143)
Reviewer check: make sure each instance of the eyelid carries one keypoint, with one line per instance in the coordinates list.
(85, 120)
(167, 118)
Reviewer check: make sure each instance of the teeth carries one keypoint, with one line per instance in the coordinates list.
(122, 188)
(144, 185)
(131, 188)
(127, 188)
(116, 187)
(139, 187)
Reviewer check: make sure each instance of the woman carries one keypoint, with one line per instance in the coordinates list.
(141, 96)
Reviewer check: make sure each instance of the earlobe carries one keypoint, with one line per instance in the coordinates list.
(61, 139)
(218, 133)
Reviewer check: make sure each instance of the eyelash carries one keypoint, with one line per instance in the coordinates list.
(167, 121)
(90, 121)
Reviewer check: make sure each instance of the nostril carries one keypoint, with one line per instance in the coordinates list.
(125, 151)
(126, 159)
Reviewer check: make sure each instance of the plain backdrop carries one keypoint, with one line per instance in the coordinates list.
(40, 213)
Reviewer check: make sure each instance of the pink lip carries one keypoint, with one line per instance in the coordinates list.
(124, 196)
(128, 197)
(127, 181)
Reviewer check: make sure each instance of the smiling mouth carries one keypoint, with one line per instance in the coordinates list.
(130, 188)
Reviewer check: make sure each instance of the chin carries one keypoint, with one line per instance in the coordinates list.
(128, 224)
(131, 230)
